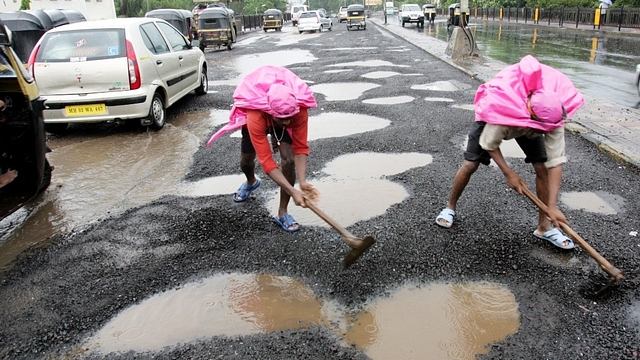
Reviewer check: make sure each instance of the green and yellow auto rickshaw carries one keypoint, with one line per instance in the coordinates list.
(429, 11)
(215, 28)
(22, 132)
(272, 20)
(356, 17)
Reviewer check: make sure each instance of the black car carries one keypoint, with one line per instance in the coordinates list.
(22, 135)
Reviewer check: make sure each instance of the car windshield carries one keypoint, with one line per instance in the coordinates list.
(412, 8)
(82, 45)
(308, 15)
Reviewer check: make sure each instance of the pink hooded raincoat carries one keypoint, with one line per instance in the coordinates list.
(503, 100)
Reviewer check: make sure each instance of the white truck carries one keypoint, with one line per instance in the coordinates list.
(295, 13)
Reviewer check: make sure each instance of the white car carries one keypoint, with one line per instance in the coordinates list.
(342, 14)
(115, 70)
(411, 13)
(314, 21)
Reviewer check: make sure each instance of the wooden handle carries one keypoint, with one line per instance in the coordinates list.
(329, 220)
(604, 264)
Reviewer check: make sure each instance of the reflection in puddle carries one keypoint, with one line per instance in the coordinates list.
(445, 321)
(350, 174)
(247, 63)
(342, 91)
(591, 202)
(438, 99)
(442, 320)
(389, 100)
(368, 63)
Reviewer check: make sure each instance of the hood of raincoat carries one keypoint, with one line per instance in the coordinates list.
(273, 89)
(505, 100)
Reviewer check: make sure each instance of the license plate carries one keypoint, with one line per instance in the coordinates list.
(82, 110)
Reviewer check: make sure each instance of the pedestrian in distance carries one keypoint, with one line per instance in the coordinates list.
(273, 101)
(529, 102)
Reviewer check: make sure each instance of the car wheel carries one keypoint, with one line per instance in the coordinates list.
(204, 82)
(56, 128)
(348, 28)
(300, 32)
(46, 177)
(403, 24)
(230, 45)
(157, 113)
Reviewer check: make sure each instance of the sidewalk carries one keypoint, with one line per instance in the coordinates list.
(614, 129)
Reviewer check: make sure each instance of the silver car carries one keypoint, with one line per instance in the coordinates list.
(342, 14)
(314, 21)
(115, 70)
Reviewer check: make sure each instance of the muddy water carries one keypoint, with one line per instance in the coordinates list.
(453, 321)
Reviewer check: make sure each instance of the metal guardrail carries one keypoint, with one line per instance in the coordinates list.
(616, 17)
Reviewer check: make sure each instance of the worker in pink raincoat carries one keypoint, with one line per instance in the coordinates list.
(529, 102)
(273, 101)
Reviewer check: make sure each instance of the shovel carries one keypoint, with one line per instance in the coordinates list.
(358, 246)
(614, 273)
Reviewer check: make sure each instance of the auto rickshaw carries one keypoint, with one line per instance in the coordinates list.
(26, 27)
(215, 28)
(179, 18)
(454, 15)
(22, 134)
(272, 20)
(429, 11)
(356, 17)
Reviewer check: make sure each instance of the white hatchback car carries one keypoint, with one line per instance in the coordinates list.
(314, 21)
(115, 70)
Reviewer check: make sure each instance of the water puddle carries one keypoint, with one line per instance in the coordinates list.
(601, 202)
(445, 321)
(453, 321)
(469, 107)
(348, 174)
(337, 71)
(385, 74)
(437, 86)
(389, 100)
(350, 49)
(246, 63)
(343, 91)
(438, 99)
(368, 63)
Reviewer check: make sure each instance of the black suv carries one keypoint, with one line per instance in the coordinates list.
(22, 135)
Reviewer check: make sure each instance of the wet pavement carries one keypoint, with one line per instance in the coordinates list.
(145, 255)
(611, 126)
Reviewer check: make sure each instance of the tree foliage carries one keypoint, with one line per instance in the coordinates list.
(25, 4)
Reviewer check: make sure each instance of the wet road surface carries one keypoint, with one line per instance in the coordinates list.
(138, 247)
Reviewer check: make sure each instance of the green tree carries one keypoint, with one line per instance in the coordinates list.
(25, 4)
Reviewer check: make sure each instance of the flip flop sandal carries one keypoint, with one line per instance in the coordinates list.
(555, 237)
(446, 215)
(287, 221)
(245, 190)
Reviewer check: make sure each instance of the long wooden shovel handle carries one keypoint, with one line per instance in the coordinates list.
(329, 220)
(614, 272)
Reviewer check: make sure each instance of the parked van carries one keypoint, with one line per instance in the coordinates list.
(296, 10)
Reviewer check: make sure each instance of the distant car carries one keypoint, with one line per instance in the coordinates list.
(22, 138)
(115, 70)
(314, 21)
(296, 10)
(411, 13)
(342, 14)
(638, 77)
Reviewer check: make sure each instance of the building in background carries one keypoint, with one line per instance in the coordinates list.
(91, 9)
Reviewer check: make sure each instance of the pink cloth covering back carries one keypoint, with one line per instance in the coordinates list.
(253, 94)
(503, 100)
